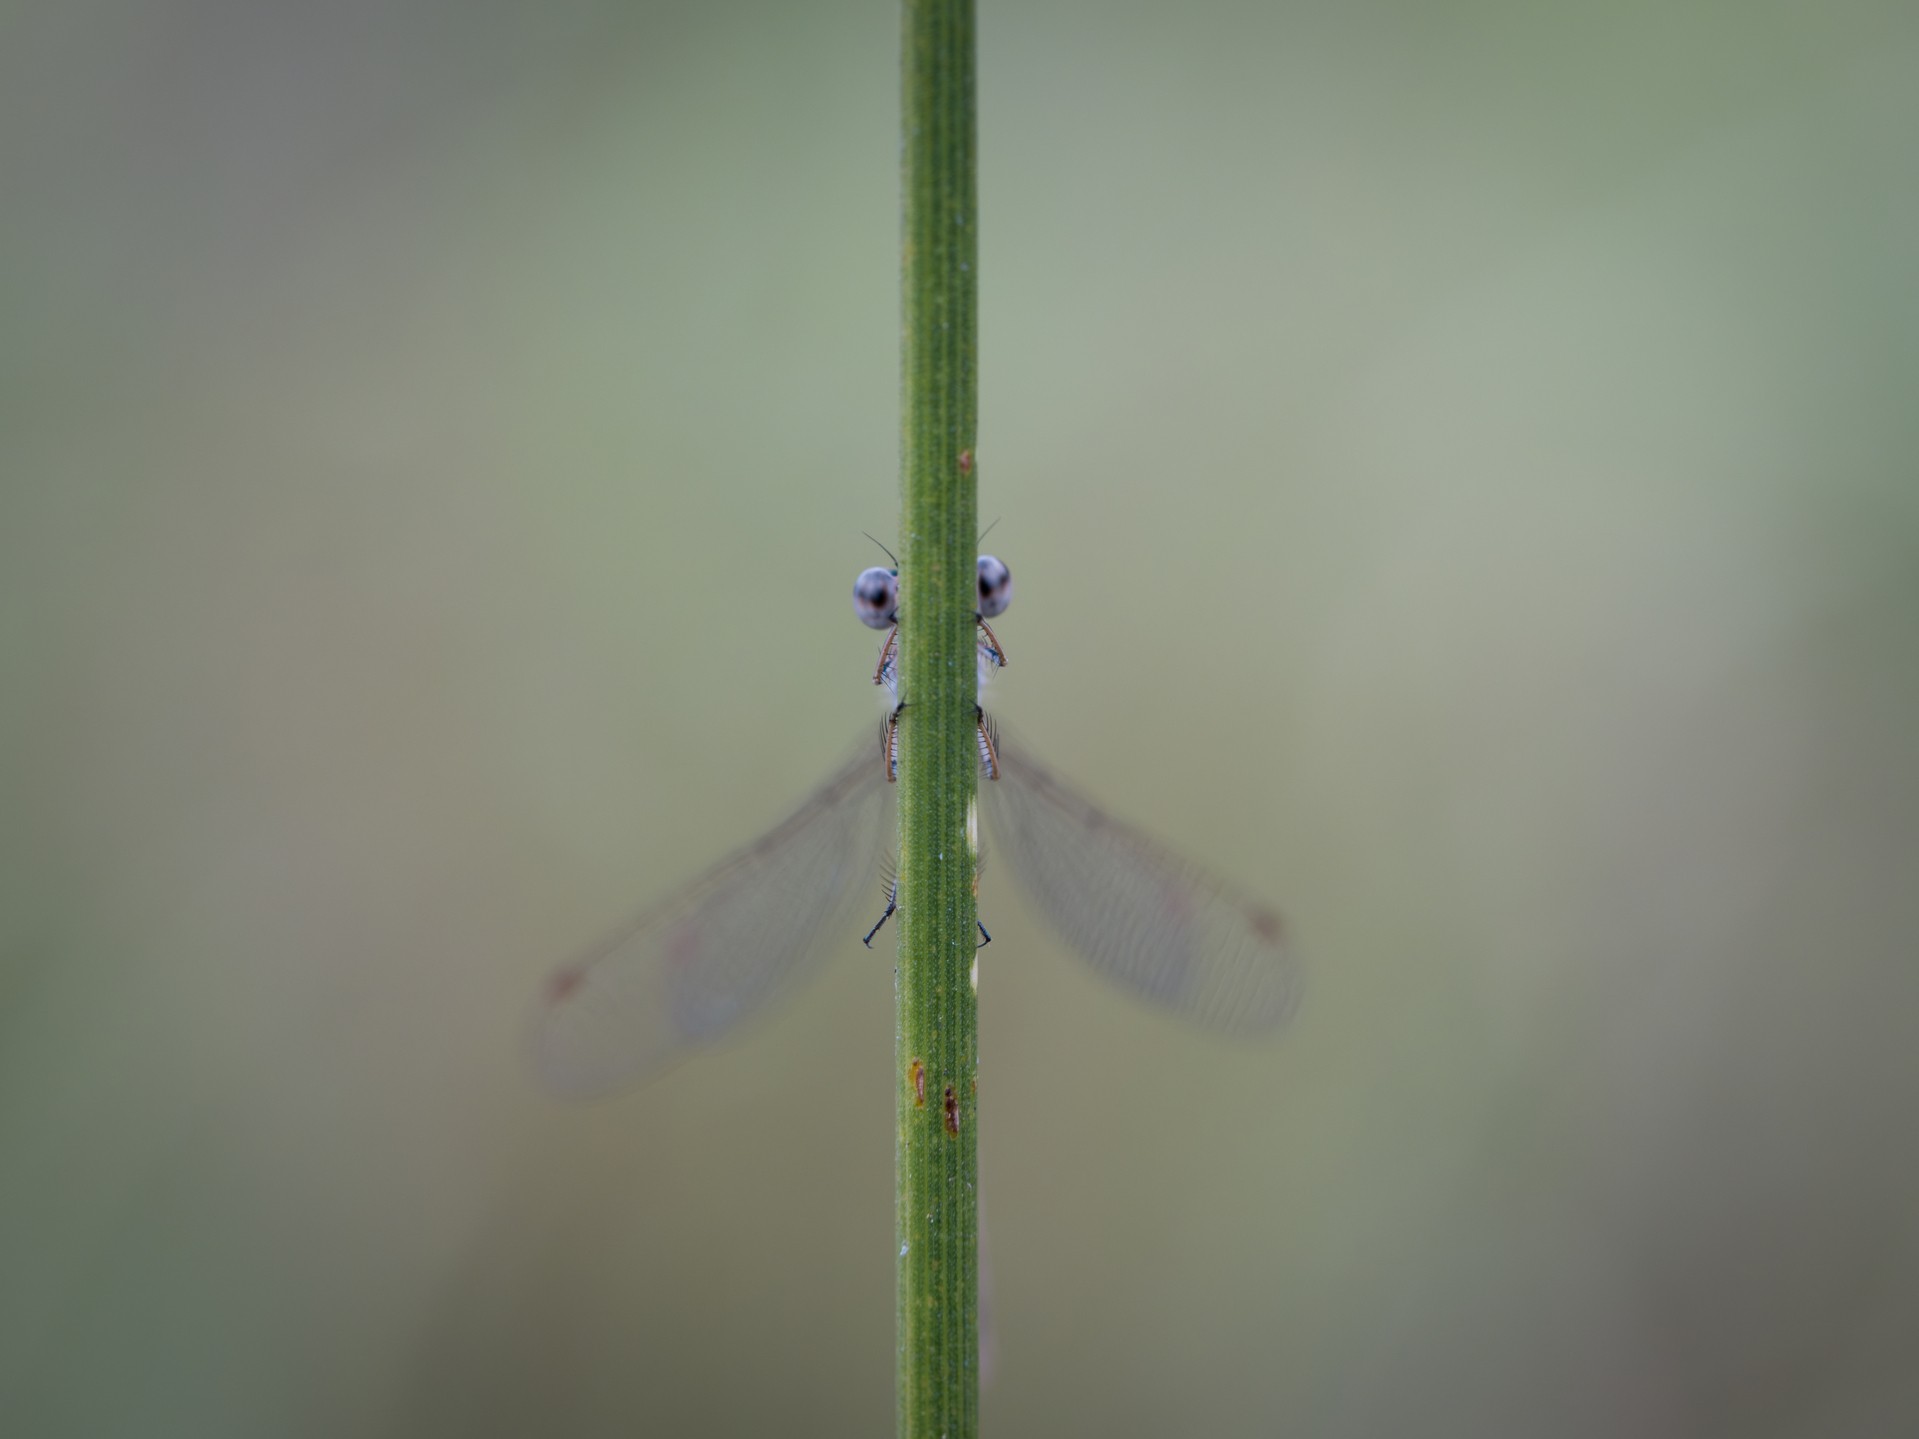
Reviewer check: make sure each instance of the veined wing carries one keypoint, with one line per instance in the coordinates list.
(688, 969)
(1160, 925)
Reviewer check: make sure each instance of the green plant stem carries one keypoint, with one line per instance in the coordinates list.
(937, 1214)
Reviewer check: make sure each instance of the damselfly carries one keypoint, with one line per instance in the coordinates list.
(742, 935)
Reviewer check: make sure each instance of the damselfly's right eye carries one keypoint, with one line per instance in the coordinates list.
(876, 597)
(995, 587)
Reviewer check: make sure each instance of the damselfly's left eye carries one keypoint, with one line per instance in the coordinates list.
(995, 587)
(876, 597)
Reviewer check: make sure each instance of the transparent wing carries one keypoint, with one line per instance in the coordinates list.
(1160, 925)
(727, 945)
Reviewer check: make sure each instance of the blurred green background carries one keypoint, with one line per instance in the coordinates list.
(1458, 465)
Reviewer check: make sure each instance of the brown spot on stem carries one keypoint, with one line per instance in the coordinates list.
(952, 1112)
(563, 984)
(916, 1076)
(1266, 925)
(966, 462)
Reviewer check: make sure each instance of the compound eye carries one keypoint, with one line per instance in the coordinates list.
(995, 587)
(876, 597)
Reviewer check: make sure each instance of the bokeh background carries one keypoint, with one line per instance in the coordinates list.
(1458, 464)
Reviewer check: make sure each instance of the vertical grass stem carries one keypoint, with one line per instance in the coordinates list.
(937, 1215)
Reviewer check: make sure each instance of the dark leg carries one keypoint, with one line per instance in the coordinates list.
(892, 903)
(988, 745)
(992, 639)
(889, 742)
